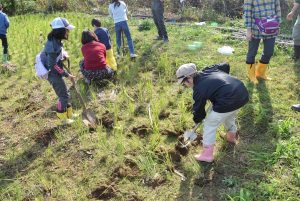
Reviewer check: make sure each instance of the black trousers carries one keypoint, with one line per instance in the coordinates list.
(158, 17)
(4, 43)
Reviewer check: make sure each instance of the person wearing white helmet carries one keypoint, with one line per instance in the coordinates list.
(227, 95)
(52, 57)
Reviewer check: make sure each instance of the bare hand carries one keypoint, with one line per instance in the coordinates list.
(290, 16)
(249, 34)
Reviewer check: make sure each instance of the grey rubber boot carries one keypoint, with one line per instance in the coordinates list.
(5, 59)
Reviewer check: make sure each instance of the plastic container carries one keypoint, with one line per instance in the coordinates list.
(226, 50)
(198, 44)
(192, 47)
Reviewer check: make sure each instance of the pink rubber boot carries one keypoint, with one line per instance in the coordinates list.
(231, 137)
(207, 154)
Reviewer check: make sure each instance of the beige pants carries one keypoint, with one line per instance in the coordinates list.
(213, 120)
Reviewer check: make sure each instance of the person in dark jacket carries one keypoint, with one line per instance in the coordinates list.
(4, 24)
(226, 93)
(52, 57)
(158, 17)
(104, 37)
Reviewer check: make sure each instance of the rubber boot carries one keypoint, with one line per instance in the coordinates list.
(64, 117)
(207, 154)
(251, 73)
(5, 59)
(70, 113)
(296, 107)
(261, 70)
(231, 137)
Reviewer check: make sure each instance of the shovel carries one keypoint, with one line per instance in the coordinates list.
(189, 136)
(88, 116)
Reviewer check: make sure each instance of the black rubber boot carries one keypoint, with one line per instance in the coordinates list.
(296, 52)
(296, 107)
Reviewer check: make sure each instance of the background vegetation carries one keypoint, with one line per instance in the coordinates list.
(204, 9)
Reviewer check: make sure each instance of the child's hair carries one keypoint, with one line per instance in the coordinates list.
(88, 36)
(1, 6)
(116, 3)
(96, 22)
(58, 34)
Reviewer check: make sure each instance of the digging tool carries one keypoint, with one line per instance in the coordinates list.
(88, 116)
(190, 135)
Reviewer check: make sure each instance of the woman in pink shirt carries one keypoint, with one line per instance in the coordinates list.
(94, 66)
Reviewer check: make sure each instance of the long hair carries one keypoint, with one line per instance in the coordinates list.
(58, 34)
(116, 3)
(88, 36)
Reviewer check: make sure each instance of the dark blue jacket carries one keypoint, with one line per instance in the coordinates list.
(104, 37)
(225, 92)
(4, 23)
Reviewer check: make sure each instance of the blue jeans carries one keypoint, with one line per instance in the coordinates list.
(119, 27)
(267, 53)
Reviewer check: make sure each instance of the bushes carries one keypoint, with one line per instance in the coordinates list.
(194, 9)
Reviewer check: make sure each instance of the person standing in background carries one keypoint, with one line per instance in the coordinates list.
(296, 30)
(158, 17)
(296, 38)
(118, 11)
(4, 24)
(253, 10)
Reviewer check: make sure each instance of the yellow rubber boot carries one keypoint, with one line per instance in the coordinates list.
(70, 113)
(64, 117)
(251, 73)
(261, 70)
(110, 59)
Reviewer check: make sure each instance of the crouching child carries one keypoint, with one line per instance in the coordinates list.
(227, 95)
(104, 38)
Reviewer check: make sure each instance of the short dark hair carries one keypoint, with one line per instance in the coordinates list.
(88, 36)
(57, 33)
(1, 6)
(96, 22)
(116, 3)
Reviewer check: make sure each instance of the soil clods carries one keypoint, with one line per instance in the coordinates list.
(107, 120)
(103, 192)
(141, 131)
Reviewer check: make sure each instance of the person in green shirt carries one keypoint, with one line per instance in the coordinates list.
(296, 29)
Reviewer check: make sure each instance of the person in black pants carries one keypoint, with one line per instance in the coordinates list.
(158, 17)
(4, 24)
